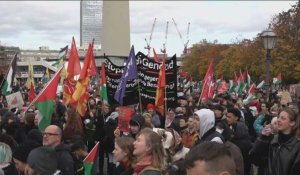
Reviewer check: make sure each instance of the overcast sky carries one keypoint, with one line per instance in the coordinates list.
(30, 24)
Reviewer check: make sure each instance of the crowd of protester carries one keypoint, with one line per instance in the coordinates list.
(223, 135)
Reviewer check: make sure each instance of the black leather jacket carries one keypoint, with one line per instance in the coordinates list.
(280, 158)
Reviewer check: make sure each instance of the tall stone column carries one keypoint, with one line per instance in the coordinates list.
(116, 28)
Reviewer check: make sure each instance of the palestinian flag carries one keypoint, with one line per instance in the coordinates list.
(278, 79)
(251, 95)
(242, 83)
(45, 100)
(61, 56)
(8, 80)
(233, 84)
(103, 83)
(261, 85)
(89, 160)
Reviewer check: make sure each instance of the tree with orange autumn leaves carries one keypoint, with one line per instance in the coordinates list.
(250, 54)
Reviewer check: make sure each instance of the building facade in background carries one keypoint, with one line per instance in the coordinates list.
(91, 23)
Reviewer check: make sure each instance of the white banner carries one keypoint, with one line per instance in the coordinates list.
(14, 100)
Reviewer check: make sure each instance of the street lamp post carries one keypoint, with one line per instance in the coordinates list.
(269, 39)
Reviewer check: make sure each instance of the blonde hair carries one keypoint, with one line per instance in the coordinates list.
(146, 114)
(154, 142)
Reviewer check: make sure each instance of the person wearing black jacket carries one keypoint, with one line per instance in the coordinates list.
(101, 132)
(279, 153)
(52, 138)
(221, 122)
(240, 136)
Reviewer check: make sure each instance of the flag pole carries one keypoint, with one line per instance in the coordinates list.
(34, 100)
(140, 99)
(165, 99)
(201, 92)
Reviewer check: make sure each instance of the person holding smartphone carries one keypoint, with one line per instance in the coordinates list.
(279, 153)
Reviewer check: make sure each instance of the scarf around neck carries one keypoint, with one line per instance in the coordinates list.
(142, 164)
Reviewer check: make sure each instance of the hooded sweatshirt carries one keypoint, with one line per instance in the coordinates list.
(207, 123)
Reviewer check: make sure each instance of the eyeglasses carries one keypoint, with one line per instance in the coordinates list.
(49, 134)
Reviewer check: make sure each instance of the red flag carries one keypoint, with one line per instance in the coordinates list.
(31, 92)
(156, 59)
(74, 63)
(223, 87)
(183, 73)
(89, 65)
(81, 95)
(235, 79)
(160, 91)
(207, 83)
(242, 76)
(73, 69)
(211, 89)
(252, 89)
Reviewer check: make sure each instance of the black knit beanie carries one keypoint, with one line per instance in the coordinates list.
(43, 160)
(21, 152)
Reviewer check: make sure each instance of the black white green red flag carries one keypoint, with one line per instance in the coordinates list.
(45, 100)
(8, 80)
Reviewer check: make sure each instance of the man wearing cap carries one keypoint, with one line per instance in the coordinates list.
(221, 122)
